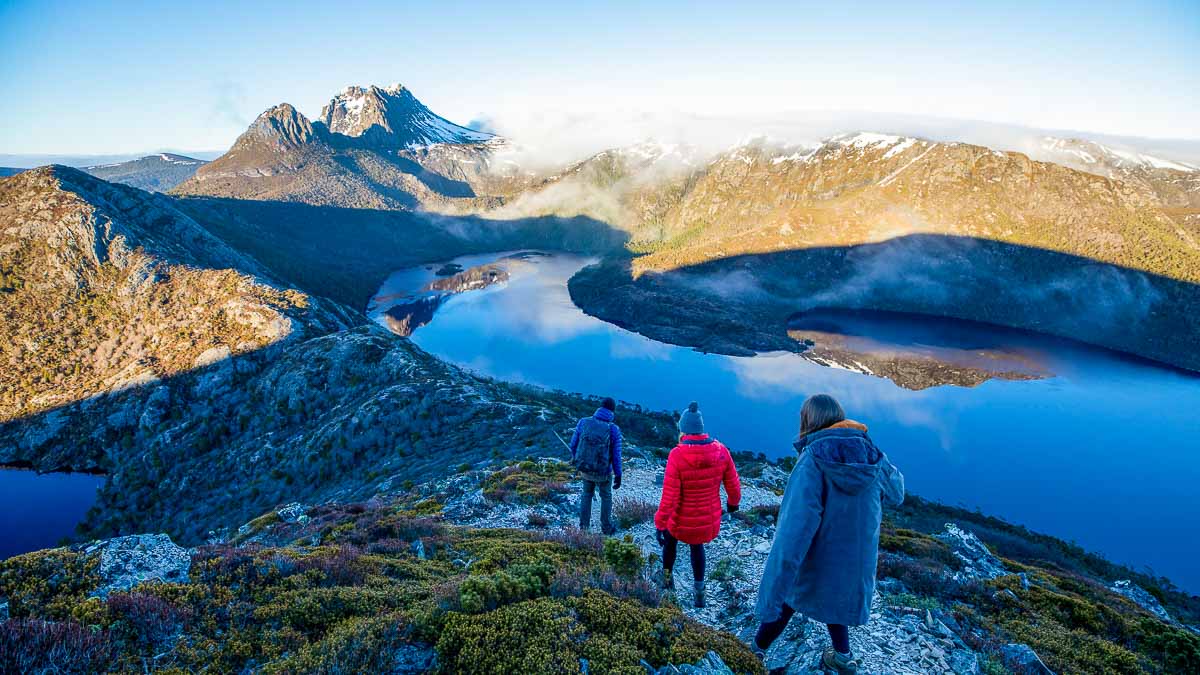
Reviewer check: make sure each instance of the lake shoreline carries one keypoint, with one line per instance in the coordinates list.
(669, 307)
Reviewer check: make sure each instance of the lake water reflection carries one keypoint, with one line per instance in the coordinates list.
(39, 510)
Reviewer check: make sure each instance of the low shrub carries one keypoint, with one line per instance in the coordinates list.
(762, 514)
(338, 564)
(630, 512)
(364, 645)
(550, 635)
(623, 555)
(145, 618)
(36, 646)
(528, 482)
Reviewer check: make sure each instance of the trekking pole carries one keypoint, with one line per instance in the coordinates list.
(560, 440)
(575, 470)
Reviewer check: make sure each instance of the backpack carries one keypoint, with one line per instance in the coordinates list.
(593, 455)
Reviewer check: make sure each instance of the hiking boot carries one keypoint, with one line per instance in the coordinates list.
(699, 588)
(838, 664)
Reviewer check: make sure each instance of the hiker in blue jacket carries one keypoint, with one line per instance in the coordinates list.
(596, 453)
(822, 562)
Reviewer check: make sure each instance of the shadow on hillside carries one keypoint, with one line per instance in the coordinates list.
(746, 300)
(345, 253)
(339, 416)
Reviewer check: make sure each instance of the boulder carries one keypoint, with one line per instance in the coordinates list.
(293, 513)
(978, 561)
(1022, 658)
(964, 662)
(127, 561)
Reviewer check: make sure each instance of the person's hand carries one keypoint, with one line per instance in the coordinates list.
(733, 508)
(661, 536)
(617, 483)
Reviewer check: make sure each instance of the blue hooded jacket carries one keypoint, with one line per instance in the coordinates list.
(823, 559)
(604, 415)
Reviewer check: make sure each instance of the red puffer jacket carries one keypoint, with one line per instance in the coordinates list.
(690, 508)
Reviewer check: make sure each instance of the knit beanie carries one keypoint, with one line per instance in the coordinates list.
(690, 421)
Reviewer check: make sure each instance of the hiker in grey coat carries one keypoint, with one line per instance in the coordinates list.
(822, 563)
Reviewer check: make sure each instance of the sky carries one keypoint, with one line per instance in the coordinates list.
(121, 77)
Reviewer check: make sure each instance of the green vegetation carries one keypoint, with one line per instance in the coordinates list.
(354, 588)
(528, 482)
(1062, 609)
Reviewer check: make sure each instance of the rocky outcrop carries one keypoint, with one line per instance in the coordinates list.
(978, 561)
(128, 561)
(1141, 598)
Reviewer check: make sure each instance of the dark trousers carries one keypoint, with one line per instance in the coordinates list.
(670, 550)
(590, 486)
(768, 632)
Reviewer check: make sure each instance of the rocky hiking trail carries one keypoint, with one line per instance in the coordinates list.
(898, 641)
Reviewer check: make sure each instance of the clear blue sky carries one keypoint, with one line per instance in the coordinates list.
(92, 77)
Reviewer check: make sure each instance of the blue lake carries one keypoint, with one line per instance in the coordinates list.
(40, 510)
(1104, 452)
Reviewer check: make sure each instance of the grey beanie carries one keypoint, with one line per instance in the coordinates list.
(690, 421)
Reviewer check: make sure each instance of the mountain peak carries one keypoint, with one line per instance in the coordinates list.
(391, 118)
(282, 126)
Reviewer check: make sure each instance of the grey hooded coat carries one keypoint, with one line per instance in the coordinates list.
(822, 563)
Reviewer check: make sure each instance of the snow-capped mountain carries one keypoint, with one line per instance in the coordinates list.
(392, 118)
(371, 147)
(1102, 159)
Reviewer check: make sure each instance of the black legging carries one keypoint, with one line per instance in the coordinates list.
(768, 632)
(670, 550)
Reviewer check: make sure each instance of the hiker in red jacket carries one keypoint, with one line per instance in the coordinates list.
(690, 508)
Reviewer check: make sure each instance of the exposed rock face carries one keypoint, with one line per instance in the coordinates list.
(131, 560)
(1142, 598)
(280, 128)
(391, 118)
(978, 561)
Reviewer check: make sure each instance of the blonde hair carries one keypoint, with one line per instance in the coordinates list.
(819, 412)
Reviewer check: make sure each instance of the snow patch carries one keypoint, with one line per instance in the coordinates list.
(865, 139)
(897, 149)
